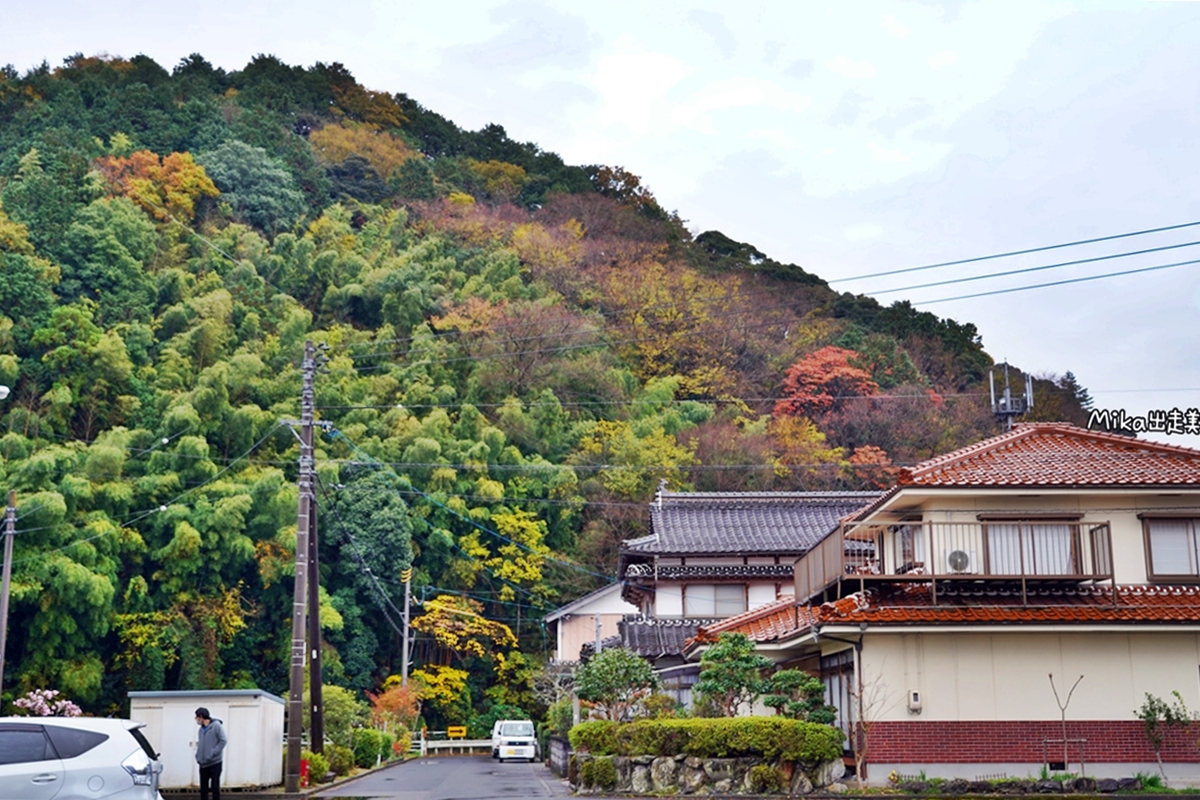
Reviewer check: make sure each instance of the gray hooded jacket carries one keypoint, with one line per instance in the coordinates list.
(210, 744)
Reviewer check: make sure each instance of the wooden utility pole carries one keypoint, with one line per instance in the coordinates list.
(10, 532)
(304, 511)
(406, 575)
(316, 704)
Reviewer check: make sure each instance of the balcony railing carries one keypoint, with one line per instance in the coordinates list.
(1010, 550)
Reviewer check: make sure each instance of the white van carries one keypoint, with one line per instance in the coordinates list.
(514, 738)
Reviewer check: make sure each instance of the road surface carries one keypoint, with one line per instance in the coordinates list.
(454, 778)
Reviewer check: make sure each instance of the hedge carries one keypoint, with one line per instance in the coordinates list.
(768, 737)
(367, 744)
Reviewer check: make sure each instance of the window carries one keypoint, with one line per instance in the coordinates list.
(714, 600)
(20, 744)
(72, 742)
(516, 729)
(1040, 548)
(1172, 548)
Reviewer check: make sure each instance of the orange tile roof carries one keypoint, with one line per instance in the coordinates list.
(913, 605)
(1058, 454)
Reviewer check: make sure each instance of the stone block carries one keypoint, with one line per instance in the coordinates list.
(1082, 785)
(830, 772)
(1107, 785)
(662, 773)
(956, 787)
(640, 782)
(800, 783)
(720, 769)
(690, 779)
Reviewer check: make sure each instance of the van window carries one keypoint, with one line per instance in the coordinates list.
(21, 744)
(517, 729)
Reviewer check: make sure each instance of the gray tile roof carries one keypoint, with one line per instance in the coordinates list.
(651, 638)
(741, 523)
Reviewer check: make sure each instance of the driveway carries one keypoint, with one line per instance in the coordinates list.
(454, 778)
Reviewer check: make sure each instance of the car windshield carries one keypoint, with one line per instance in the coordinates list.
(517, 729)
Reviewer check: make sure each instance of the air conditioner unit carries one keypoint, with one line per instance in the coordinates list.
(960, 562)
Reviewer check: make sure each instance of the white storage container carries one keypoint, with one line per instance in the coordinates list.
(253, 721)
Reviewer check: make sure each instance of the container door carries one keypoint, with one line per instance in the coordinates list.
(243, 754)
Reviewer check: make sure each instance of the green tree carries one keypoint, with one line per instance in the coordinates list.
(260, 190)
(1158, 716)
(105, 254)
(731, 673)
(796, 694)
(615, 681)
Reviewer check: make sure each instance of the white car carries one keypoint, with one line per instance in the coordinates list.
(514, 738)
(73, 758)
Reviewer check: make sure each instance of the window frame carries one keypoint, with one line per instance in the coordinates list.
(713, 612)
(1147, 548)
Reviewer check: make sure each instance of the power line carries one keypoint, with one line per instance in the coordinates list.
(1038, 269)
(362, 565)
(1062, 282)
(1017, 252)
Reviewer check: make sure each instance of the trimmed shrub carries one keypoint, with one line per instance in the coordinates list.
(317, 766)
(341, 759)
(386, 740)
(596, 736)
(764, 779)
(599, 773)
(729, 737)
(366, 743)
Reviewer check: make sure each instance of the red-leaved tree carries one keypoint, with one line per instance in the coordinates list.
(822, 381)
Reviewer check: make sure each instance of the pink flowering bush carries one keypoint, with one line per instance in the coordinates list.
(42, 703)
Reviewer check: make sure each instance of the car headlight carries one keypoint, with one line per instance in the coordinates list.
(139, 767)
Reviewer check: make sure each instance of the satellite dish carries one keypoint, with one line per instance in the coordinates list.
(958, 560)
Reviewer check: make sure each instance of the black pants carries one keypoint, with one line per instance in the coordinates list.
(210, 780)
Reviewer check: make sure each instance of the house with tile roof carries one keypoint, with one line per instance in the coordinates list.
(713, 555)
(579, 623)
(997, 576)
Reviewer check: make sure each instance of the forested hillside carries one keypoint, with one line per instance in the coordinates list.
(520, 351)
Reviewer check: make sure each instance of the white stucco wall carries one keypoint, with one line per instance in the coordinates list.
(1004, 676)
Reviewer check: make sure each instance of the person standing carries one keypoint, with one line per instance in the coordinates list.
(210, 749)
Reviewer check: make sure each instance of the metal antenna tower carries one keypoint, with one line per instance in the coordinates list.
(1009, 407)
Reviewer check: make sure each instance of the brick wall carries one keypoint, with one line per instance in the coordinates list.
(1020, 742)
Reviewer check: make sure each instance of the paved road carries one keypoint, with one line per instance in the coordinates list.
(454, 778)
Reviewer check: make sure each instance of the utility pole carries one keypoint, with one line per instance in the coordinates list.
(316, 710)
(304, 509)
(406, 576)
(10, 532)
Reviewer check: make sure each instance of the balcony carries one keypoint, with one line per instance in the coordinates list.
(1012, 551)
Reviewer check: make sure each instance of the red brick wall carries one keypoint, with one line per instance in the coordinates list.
(932, 742)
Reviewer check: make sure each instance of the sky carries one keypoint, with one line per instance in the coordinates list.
(849, 138)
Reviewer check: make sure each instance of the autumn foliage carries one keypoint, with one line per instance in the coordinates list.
(823, 381)
(165, 187)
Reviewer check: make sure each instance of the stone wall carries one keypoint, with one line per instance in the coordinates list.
(693, 775)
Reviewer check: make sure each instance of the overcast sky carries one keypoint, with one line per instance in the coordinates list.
(850, 138)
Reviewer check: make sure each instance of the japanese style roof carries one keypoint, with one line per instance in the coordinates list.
(1050, 455)
(987, 605)
(651, 637)
(1058, 454)
(743, 523)
(576, 605)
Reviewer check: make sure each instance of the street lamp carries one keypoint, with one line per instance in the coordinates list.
(10, 530)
